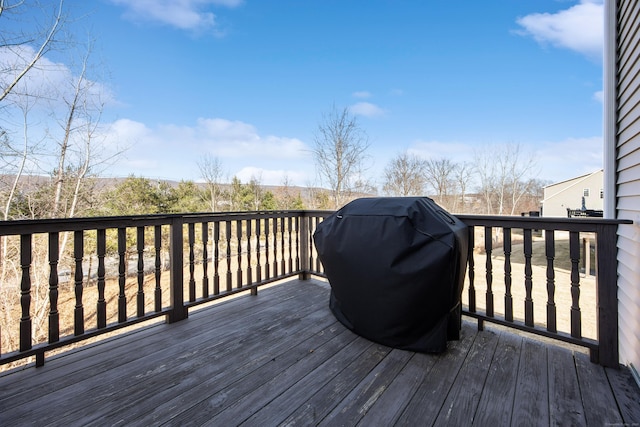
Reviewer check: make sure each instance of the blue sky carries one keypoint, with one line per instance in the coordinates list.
(248, 81)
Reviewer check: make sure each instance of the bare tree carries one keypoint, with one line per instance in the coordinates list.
(462, 176)
(44, 38)
(439, 174)
(504, 172)
(211, 171)
(80, 150)
(15, 159)
(340, 147)
(485, 169)
(405, 176)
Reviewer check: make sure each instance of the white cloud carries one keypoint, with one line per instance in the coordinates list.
(366, 109)
(561, 160)
(579, 28)
(181, 14)
(238, 139)
(173, 152)
(48, 81)
(599, 96)
(362, 94)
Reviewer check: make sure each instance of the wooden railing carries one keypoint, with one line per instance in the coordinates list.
(539, 242)
(52, 297)
(538, 285)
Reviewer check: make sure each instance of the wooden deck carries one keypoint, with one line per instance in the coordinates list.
(281, 358)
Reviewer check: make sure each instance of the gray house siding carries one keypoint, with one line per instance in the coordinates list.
(568, 194)
(627, 178)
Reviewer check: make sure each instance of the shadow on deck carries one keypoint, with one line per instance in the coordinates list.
(281, 358)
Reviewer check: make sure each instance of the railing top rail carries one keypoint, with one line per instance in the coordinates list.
(541, 223)
(91, 223)
(47, 225)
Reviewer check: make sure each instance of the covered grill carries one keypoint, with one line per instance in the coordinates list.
(396, 268)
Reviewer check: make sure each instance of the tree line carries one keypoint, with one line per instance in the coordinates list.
(500, 181)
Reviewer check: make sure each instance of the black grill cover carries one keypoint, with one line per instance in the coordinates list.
(396, 268)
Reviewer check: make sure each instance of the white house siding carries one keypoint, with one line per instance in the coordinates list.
(568, 194)
(628, 178)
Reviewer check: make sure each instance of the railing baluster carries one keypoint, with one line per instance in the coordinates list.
(157, 244)
(488, 249)
(297, 240)
(283, 262)
(239, 252)
(78, 310)
(508, 298)
(216, 256)
(258, 251)
(275, 247)
(205, 260)
(54, 315)
(267, 236)
(228, 240)
(140, 294)
(574, 254)
(472, 273)
(528, 277)
(25, 292)
(191, 227)
(289, 232)
(311, 251)
(254, 290)
(305, 253)
(101, 306)
(550, 252)
(249, 270)
(122, 275)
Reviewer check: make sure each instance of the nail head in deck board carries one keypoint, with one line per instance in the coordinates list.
(462, 400)
(565, 406)
(600, 408)
(496, 403)
(531, 404)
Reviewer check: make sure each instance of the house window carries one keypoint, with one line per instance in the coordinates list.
(601, 193)
(585, 192)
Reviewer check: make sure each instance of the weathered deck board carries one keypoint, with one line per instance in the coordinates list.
(280, 358)
(565, 405)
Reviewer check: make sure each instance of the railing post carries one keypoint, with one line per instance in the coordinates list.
(607, 296)
(176, 276)
(305, 267)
